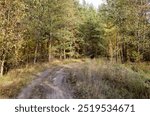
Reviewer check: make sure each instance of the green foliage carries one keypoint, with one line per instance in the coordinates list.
(40, 30)
(128, 23)
(91, 32)
(11, 28)
(33, 31)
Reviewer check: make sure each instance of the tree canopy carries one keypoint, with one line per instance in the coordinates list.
(34, 31)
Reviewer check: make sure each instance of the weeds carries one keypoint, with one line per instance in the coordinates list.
(100, 79)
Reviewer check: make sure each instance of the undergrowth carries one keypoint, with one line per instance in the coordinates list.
(101, 79)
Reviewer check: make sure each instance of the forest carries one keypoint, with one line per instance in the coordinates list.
(33, 32)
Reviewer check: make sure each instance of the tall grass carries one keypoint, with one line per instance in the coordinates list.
(102, 79)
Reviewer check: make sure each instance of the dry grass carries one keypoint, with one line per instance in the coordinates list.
(102, 79)
(90, 79)
(12, 83)
(142, 68)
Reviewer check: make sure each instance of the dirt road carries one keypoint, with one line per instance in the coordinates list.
(50, 84)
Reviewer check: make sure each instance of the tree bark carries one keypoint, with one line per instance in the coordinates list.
(35, 53)
(49, 47)
(2, 66)
(64, 52)
(110, 51)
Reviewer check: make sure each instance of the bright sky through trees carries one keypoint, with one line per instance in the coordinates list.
(96, 3)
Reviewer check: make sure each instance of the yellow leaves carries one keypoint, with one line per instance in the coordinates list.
(110, 30)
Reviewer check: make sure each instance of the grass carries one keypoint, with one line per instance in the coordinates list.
(12, 83)
(93, 79)
(101, 79)
(142, 68)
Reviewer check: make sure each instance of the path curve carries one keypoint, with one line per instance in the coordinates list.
(50, 84)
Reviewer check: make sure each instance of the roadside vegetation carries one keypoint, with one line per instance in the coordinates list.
(13, 82)
(102, 79)
(95, 79)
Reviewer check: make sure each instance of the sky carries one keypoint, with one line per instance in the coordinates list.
(96, 3)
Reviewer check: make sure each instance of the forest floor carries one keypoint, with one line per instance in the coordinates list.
(86, 79)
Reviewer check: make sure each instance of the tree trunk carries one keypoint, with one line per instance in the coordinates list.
(117, 49)
(110, 51)
(49, 46)
(124, 50)
(2, 66)
(50, 52)
(35, 53)
(124, 53)
(64, 52)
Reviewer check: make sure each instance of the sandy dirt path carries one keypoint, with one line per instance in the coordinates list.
(50, 84)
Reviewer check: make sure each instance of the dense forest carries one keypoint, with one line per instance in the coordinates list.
(34, 31)
(110, 45)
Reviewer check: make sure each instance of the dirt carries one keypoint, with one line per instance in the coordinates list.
(50, 84)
